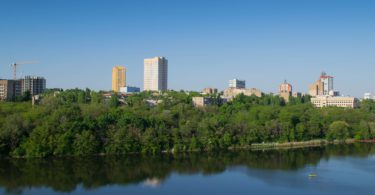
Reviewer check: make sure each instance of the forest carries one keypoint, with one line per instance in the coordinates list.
(79, 122)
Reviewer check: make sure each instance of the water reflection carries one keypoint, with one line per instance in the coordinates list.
(65, 174)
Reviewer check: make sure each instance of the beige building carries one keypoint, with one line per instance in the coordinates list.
(209, 90)
(155, 77)
(323, 86)
(118, 78)
(233, 92)
(285, 91)
(337, 101)
(205, 101)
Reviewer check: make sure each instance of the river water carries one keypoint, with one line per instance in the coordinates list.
(338, 169)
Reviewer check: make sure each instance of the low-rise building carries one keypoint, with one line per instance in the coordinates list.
(130, 89)
(209, 90)
(205, 101)
(337, 101)
(233, 92)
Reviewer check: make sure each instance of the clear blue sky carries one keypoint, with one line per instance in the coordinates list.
(207, 42)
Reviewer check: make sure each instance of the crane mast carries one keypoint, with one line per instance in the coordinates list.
(14, 65)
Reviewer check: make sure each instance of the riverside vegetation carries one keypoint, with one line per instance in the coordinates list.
(80, 122)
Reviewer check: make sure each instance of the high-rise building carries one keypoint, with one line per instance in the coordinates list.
(155, 76)
(118, 78)
(285, 91)
(327, 82)
(236, 83)
(323, 86)
(9, 89)
(35, 85)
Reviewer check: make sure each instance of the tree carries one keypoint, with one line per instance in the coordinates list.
(85, 143)
(114, 102)
(338, 130)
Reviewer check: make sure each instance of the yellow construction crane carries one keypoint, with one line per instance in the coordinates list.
(14, 65)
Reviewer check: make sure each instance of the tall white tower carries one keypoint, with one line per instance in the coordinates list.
(155, 75)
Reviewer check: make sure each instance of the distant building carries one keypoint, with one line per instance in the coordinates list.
(35, 85)
(236, 83)
(233, 92)
(298, 94)
(337, 101)
(367, 96)
(205, 101)
(285, 91)
(9, 89)
(118, 78)
(129, 89)
(322, 86)
(209, 90)
(155, 76)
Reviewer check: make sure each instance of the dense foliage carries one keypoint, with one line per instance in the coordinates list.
(82, 122)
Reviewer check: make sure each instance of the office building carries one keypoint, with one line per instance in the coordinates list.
(236, 83)
(118, 78)
(35, 85)
(155, 76)
(322, 86)
(285, 91)
(337, 101)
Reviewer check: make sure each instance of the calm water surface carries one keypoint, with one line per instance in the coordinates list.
(340, 169)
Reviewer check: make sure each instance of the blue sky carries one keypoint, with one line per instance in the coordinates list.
(206, 42)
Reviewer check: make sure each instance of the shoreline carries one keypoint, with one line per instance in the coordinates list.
(252, 147)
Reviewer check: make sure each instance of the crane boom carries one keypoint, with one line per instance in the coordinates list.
(14, 65)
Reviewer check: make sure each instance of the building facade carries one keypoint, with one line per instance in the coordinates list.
(35, 85)
(209, 90)
(337, 101)
(233, 92)
(285, 91)
(118, 78)
(155, 77)
(205, 101)
(9, 89)
(367, 96)
(236, 83)
(129, 89)
(323, 86)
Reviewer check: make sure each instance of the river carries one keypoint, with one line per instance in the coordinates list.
(337, 169)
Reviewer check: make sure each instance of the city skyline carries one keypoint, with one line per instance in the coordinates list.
(291, 40)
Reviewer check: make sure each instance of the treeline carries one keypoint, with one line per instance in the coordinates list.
(82, 122)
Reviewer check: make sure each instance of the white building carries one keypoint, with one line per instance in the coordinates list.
(367, 96)
(155, 76)
(129, 89)
(236, 83)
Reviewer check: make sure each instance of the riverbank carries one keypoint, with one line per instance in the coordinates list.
(303, 144)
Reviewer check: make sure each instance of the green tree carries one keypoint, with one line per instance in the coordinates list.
(338, 130)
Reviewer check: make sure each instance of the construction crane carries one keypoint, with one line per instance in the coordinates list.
(14, 66)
